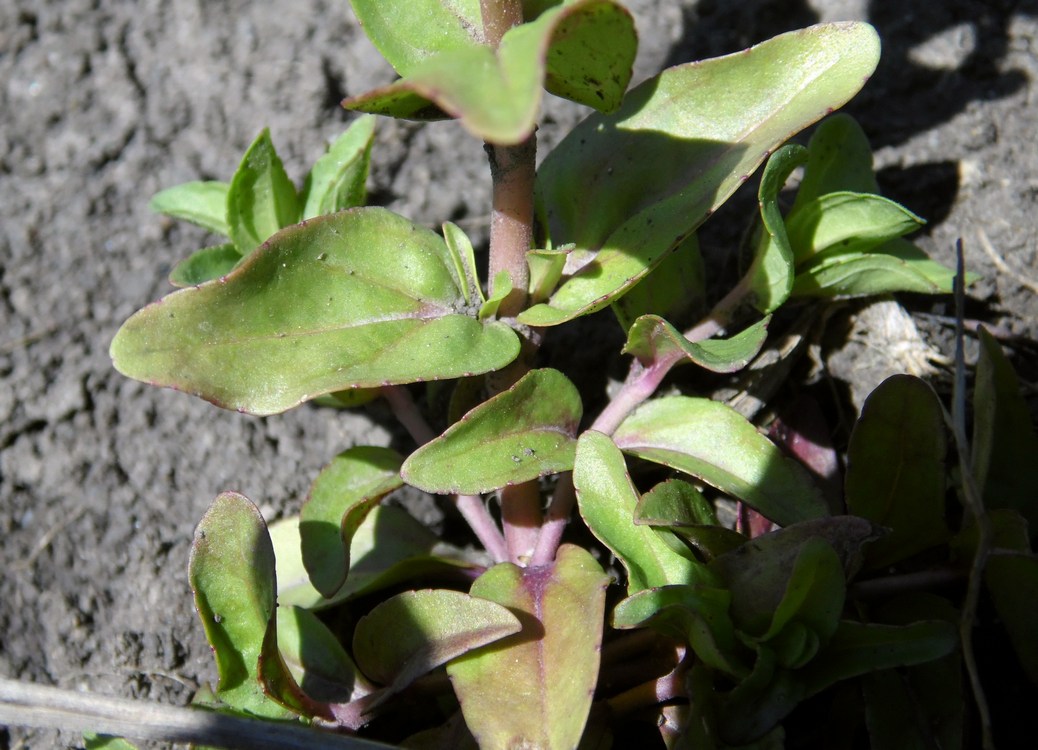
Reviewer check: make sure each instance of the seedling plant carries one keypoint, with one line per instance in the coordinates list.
(605, 590)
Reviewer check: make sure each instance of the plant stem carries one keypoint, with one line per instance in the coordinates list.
(521, 515)
(471, 507)
(44, 707)
(651, 693)
(498, 17)
(555, 521)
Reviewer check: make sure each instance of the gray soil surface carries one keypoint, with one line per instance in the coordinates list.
(105, 102)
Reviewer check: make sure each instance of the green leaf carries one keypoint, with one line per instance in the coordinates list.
(696, 615)
(232, 574)
(389, 547)
(1012, 581)
(653, 340)
(583, 51)
(858, 649)
(1005, 446)
(713, 442)
(316, 659)
(891, 714)
(760, 574)
(361, 298)
(408, 32)
(839, 159)
(524, 433)
(534, 689)
(93, 741)
(846, 223)
(628, 187)
(897, 266)
(205, 265)
(202, 203)
(348, 399)
(340, 499)
(414, 632)
(607, 501)
(896, 473)
(261, 198)
(502, 287)
(338, 179)
(546, 270)
(464, 257)
(771, 275)
(675, 289)
(674, 503)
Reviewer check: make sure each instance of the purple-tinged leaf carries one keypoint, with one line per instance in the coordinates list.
(534, 689)
(652, 340)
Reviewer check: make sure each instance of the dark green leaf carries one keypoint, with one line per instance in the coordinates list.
(316, 658)
(839, 159)
(628, 187)
(713, 442)
(895, 468)
(1012, 580)
(340, 499)
(205, 265)
(338, 179)
(414, 632)
(674, 503)
(232, 574)
(675, 290)
(202, 203)
(534, 689)
(653, 340)
(607, 501)
(524, 433)
(771, 275)
(261, 198)
(891, 713)
(1005, 446)
(361, 298)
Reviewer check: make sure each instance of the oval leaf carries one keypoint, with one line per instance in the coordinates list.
(897, 266)
(316, 659)
(713, 442)
(341, 497)
(261, 198)
(771, 275)
(205, 265)
(607, 500)
(361, 298)
(414, 632)
(534, 689)
(895, 468)
(627, 187)
(521, 434)
(338, 179)
(232, 574)
(202, 203)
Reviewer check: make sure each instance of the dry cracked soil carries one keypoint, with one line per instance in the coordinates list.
(105, 102)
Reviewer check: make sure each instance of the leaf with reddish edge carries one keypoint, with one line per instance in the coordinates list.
(534, 689)
(653, 340)
(360, 298)
(414, 632)
(316, 658)
(896, 471)
(341, 497)
(628, 187)
(715, 443)
(523, 433)
(232, 574)
(607, 500)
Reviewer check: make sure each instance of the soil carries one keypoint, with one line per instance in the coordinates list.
(103, 103)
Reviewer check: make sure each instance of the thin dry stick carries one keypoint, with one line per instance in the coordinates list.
(1001, 264)
(42, 707)
(976, 507)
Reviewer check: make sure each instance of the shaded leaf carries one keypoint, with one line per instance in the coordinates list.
(582, 50)
(1012, 581)
(232, 574)
(713, 442)
(341, 497)
(414, 632)
(205, 265)
(1005, 446)
(316, 658)
(895, 468)
(839, 158)
(202, 203)
(338, 179)
(464, 257)
(652, 340)
(348, 399)
(389, 547)
(361, 298)
(521, 434)
(607, 501)
(891, 714)
(628, 187)
(675, 289)
(771, 275)
(674, 503)
(546, 270)
(261, 198)
(898, 266)
(534, 689)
